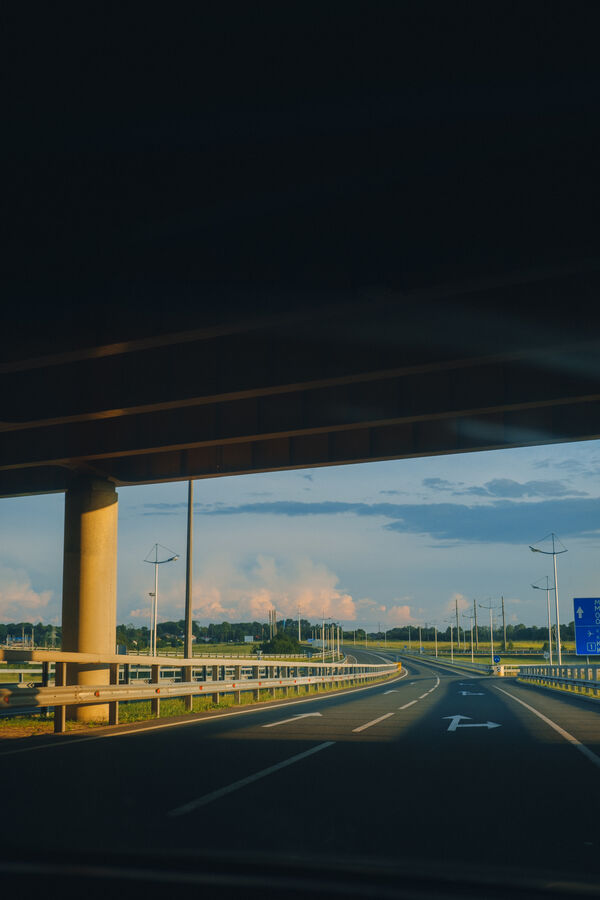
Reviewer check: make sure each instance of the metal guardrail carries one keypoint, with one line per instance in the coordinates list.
(193, 681)
(501, 670)
(577, 679)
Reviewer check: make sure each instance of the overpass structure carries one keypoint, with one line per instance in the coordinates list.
(397, 374)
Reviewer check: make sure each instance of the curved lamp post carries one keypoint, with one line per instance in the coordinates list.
(156, 562)
(538, 587)
(553, 553)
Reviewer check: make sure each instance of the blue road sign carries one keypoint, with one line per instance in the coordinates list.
(496, 659)
(586, 615)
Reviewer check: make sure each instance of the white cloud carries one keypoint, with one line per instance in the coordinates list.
(230, 592)
(459, 599)
(18, 599)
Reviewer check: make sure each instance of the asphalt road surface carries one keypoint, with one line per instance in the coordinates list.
(437, 768)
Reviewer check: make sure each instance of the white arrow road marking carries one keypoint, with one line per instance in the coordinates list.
(374, 722)
(455, 723)
(471, 693)
(293, 719)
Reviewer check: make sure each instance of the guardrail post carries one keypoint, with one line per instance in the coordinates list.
(60, 712)
(45, 682)
(186, 676)
(155, 679)
(113, 706)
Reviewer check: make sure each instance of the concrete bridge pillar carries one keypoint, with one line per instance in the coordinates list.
(89, 609)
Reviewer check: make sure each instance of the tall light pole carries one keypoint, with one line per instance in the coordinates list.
(491, 607)
(187, 651)
(457, 625)
(435, 638)
(538, 587)
(156, 562)
(553, 553)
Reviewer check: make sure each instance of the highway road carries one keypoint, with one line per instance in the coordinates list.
(438, 770)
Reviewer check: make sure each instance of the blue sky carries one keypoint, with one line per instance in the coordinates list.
(390, 543)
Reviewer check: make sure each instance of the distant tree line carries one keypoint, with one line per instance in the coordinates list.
(513, 633)
(171, 634)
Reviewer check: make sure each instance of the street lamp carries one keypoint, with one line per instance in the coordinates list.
(156, 562)
(491, 607)
(538, 587)
(553, 553)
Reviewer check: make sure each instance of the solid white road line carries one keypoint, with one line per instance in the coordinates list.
(236, 785)
(593, 758)
(406, 705)
(374, 722)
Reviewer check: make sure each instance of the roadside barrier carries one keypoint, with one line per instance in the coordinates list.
(583, 680)
(191, 678)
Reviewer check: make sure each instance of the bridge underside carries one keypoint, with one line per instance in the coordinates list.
(398, 374)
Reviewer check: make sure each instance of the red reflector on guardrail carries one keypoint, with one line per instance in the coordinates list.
(158, 690)
(96, 693)
(7, 699)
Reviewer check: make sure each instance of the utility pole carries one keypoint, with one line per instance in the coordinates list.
(457, 626)
(503, 624)
(299, 635)
(491, 607)
(476, 631)
(187, 651)
(470, 616)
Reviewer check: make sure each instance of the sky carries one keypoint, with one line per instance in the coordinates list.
(371, 545)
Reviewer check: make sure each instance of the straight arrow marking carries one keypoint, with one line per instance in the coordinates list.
(293, 719)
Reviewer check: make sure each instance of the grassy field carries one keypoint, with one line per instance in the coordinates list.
(484, 646)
